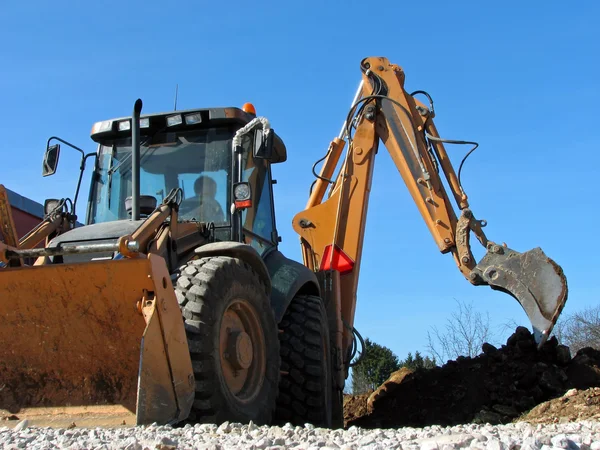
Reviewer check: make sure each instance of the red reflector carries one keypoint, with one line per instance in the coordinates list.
(243, 204)
(338, 261)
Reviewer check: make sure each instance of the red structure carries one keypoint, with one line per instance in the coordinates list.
(26, 212)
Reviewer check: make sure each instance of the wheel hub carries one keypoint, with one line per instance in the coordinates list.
(242, 348)
(240, 351)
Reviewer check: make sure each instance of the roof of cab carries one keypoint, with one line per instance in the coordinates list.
(210, 117)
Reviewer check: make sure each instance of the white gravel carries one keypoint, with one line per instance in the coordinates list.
(579, 435)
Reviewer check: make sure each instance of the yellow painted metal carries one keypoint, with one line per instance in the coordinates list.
(167, 382)
(394, 117)
(156, 396)
(71, 336)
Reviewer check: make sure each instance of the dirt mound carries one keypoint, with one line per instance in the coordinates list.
(495, 387)
(355, 406)
(575, 405)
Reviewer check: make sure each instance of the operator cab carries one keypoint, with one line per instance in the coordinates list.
(190, 150)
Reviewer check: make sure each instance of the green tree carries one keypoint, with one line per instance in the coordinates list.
(429, 363)
(418, 362)
(376, 364)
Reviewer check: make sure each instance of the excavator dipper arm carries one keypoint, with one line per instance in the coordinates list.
(332, 230)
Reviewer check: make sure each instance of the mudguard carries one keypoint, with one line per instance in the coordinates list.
(288, 278)
(241, 251)
(283, 277)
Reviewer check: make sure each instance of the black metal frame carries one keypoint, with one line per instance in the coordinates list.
(84, 157)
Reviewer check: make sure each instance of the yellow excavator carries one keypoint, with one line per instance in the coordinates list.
(172, 301)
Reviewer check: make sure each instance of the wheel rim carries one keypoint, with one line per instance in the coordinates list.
(242, 350)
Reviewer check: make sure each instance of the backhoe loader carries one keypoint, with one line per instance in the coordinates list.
(173, 303)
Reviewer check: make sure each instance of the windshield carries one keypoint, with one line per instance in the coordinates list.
(198, 162)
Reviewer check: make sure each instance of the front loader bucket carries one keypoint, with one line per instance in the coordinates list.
(533, 279)
(100, 339)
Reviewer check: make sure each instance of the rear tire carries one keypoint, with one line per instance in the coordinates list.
(232, 338)
(337, 408)
(305, 388)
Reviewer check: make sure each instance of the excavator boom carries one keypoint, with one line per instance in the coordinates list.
(332, 230)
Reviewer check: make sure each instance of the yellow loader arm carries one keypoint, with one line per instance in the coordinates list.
(332, 231)
(58, 220)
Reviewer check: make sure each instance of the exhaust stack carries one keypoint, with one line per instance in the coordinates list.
(135, 160)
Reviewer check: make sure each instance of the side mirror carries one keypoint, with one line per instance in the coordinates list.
(50, 160)
(263, 147)
(50, 205)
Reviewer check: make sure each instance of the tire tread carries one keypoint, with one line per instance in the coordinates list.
(199, 288)
(301, 390)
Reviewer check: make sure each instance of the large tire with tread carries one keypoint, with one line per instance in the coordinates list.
(305, 388)
(233, 340)
(337, 408)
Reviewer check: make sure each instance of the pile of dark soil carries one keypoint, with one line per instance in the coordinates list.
(495, 387)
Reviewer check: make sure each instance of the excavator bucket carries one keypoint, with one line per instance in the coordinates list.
(93, 343)
(533, 279)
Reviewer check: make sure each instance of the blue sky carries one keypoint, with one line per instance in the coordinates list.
(519, 78)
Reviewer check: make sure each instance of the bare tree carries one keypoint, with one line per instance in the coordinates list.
(360, 384)
(560, 329)
(465, 332)
(580, 329)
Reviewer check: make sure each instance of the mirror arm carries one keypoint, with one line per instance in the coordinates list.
(81, 170)
(66, 143)
(84, 157)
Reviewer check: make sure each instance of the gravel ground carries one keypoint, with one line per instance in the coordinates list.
(583, 435)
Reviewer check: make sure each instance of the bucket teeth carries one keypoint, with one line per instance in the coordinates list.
(533, 279)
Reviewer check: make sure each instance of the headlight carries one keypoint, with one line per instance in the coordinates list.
(99, 127)
(241, 191)
(124, 125)
(192, 119)
(241, 195)
(174, 120)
